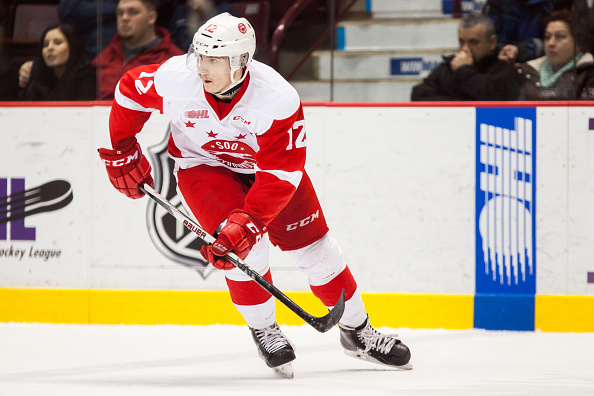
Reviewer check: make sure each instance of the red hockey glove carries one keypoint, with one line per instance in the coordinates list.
(240, 234)
(127, 169)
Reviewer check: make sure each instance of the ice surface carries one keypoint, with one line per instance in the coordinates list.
(44, 359)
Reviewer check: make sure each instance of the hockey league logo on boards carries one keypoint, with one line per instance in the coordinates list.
(17, 204)
(171, 238)
(505, 200)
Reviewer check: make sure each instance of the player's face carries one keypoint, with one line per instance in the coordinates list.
(134, 19)
(215, 73)
(56, 50)
(474, 42)
(559, 44)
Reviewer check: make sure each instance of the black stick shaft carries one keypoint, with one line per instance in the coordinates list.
(321, 324)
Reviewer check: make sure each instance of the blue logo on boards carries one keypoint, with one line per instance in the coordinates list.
(411, 66)
(447, 6)
(505, 218)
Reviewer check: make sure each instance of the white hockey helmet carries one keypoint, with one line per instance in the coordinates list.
(224, 36)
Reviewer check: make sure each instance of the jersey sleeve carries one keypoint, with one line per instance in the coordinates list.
(280, 162)
(134, 101)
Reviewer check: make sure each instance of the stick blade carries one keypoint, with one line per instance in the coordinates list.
(328, 321)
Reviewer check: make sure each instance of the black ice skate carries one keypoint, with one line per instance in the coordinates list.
(367, 343)
(275, 349)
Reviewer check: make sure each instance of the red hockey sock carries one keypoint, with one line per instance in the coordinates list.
(248, 292)
(330, 292)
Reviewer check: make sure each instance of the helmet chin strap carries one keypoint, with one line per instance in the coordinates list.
(230, 91)
(234, 86)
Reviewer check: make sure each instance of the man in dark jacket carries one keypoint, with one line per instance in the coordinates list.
(474, 72)
(138, 42)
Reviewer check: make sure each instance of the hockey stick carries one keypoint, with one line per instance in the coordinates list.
(321, 324)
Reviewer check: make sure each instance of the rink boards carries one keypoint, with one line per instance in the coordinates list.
(449, 217)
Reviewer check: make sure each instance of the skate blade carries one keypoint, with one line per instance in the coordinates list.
(284, 371)
(361, 356)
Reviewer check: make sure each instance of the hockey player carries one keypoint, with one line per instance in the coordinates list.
(238, 140)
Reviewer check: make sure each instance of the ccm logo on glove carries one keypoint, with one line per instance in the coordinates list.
(127, 169)
(124, 161)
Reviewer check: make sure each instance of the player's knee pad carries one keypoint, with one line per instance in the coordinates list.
(321, 261)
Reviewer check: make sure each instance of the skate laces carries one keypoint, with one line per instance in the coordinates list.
(373, 339)
(271, 338)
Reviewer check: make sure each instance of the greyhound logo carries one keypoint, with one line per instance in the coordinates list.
(232, 154)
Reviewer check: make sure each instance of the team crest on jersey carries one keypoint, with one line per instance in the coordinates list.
(170, 237)
(232, 154)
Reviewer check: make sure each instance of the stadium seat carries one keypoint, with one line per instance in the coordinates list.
(25, 23)
(31, 20)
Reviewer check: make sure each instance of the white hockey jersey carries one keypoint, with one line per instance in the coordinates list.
(261, 131)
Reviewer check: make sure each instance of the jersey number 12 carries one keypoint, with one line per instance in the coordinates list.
(297, 135)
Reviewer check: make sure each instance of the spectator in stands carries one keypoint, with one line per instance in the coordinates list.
(61, 71)
(9, 87)
(566, 72)
(83, 16)
(138, 42)
(96, 21)
(95, 31)
(474, 72)
(518, 25)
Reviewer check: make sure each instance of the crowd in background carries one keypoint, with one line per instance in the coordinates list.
(517, 50)
(512, 50)
(84, 55)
